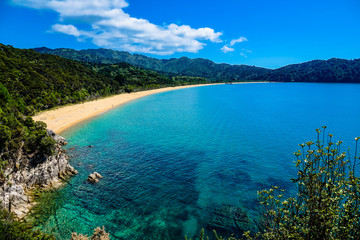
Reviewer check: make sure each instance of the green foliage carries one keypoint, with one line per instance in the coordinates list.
(12, 229)
(31, 82)
(333, 70)
(5, 135)
(330, 71)
(327, 205)
(4, 95)
(41, 81)
(47, 146)
(184, 66)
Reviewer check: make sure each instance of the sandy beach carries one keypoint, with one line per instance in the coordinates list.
(64, 117)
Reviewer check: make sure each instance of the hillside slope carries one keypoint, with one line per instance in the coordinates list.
(184, 66)
(328, 71)
(332, 70)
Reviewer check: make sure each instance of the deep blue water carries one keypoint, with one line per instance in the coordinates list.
(170, 159)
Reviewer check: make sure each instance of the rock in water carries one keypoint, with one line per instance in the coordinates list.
(97, 175)
(227, 220)
(94, 177)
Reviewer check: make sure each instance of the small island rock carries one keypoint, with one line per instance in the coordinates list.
(94, 177)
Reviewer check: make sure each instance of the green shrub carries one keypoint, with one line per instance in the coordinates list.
(5, 135)
(4, 94)
(12, 229)
(327, 205)
(47, 146)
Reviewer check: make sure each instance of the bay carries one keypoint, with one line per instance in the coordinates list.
(175, 161)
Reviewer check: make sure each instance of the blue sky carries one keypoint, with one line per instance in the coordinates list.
(254, 32)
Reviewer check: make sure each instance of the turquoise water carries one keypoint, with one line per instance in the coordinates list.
(170, 161)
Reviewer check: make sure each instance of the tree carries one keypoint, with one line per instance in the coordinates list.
(327, 205)
(5, 135)
(4, 94)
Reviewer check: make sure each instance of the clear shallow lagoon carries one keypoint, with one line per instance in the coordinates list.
(170, 159)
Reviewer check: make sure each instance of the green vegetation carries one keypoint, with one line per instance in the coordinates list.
(327, 204)
(12, 229)
(328, 200)
(333, 70)
(184, 66)
(31, 82)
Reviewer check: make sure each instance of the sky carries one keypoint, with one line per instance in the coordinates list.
(262, 33)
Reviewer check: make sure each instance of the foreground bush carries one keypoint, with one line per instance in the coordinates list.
(327, 204)
(12, 229)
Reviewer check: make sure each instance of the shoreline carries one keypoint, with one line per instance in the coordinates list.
(62, 118)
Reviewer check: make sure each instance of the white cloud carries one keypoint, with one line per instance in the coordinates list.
(110, 27)
(227, 49)
(67, 29)
(201, 33)
(239, 40)
(243, 55)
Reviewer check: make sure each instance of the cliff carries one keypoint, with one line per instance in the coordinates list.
(34, 171)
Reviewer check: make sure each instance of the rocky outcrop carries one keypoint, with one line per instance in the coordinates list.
(34, 171)
(99, 234)
(94, 177)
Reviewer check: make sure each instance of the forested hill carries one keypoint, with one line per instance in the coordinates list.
(31, 81)
(184, 66)
(333, 70)
(44, 81)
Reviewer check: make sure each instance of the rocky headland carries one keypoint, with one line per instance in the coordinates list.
(33, 171)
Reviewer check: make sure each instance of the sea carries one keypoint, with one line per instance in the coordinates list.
(177, 162)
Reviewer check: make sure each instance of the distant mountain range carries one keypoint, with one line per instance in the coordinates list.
(332, 70)
(178, 66)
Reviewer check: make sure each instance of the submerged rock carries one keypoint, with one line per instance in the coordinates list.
(94, 177)
(227, 220)
(99, 234)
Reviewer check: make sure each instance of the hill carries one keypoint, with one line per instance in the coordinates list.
(333, 70)
(184, 66)
(327, 71)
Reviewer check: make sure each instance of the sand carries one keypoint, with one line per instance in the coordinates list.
(64, 117)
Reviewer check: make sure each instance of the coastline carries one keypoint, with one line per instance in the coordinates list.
(62, 118)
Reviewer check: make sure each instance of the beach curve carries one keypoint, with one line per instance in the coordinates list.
(62, 118)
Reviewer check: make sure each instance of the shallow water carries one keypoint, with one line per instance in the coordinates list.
(171, 160)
